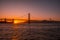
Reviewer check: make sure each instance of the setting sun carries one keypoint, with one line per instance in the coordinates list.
(18, 21)
(15, 21)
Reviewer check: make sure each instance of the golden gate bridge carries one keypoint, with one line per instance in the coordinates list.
(5, 20)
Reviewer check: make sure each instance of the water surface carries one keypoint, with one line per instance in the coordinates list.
(33, 31)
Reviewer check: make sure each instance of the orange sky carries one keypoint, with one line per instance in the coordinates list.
(39, 10)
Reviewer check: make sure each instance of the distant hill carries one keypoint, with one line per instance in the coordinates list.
(43, 21)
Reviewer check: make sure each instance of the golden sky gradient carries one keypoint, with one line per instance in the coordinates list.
(39, 10)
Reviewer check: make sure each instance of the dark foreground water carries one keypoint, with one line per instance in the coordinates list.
(33, 31)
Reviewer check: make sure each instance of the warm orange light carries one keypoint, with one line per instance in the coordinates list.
(18, 21)
(15, 21)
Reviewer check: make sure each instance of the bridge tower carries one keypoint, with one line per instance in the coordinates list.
(5, 20)
(28, 18)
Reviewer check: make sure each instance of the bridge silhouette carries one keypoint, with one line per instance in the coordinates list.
(11, 20)
(5, 20)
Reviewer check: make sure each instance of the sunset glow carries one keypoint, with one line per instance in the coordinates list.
(39, 10)
(18, 21)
